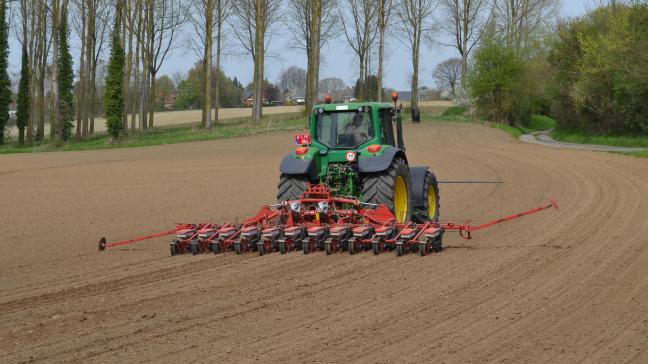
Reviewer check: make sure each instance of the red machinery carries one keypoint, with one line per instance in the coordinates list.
(318, 221)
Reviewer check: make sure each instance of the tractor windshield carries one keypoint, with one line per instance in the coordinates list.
(344, 129)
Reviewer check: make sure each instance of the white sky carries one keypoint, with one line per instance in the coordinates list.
(337, 59)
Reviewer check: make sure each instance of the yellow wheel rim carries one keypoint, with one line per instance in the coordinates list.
(400, 199)
(432, 199)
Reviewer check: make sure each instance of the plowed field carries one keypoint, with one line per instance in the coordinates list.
(561, 286)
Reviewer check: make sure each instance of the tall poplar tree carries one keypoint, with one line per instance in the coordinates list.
(114, 95)
(22, 114)
(5, 83)
(66, 77)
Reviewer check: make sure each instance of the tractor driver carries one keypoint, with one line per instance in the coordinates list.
(353, 128)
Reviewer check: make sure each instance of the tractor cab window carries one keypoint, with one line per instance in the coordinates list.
(386, 119)
(344, 129)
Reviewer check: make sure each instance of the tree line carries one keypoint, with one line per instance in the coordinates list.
(147, 31)
(139, 36)
(588, 73)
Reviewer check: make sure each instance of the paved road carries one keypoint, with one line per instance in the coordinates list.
(543, 138)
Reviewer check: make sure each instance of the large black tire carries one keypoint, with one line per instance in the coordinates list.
(291, 187)
(423, 213)
(379, 188)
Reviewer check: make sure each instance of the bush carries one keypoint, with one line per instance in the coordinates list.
(600, 84)
(494, 82)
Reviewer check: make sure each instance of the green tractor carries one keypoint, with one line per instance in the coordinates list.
(357, 150)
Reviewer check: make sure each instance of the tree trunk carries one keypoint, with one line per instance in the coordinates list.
(309, 101)
(151, 106)
(381, 47)
(415, 76)
(316, 22)
(89, 84)
(93, 98)
(127, 29)
(361, 88)
(258, 61)
(209, 16)
(219, 35)
(81, 99)
(32, 68)
(57, 131)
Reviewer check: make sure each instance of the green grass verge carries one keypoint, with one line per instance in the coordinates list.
(577, 136)
(172, 135)
(514, 131)
(541, 123)
(643, 154)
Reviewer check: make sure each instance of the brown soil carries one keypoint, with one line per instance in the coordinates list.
(561, 286)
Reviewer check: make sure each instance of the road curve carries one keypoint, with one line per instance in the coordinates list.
(562, 286)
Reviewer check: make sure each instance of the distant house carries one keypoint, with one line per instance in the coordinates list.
(170, 100)
(405, 95)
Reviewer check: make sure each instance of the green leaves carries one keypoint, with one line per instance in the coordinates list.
(601, 81)
(114, 95)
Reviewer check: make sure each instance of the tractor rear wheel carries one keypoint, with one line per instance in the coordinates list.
(390, 188)
(428, 202)
(291, 187)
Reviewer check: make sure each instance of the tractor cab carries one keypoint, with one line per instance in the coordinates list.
(353, 126)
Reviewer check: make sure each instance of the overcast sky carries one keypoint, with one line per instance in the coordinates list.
(337, 58)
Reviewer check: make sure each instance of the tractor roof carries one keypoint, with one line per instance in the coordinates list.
(353, 106)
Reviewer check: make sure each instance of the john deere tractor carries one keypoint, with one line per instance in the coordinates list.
(357, 149)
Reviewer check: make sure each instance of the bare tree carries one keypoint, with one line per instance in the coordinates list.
(415, 21)
(30, 34)
(100, 19)
(518, 20)
(201, 17)
(292, 80)
(383, 15)
(161, 23)
(311, 24)
(222, 13)
(42, 45)
(360, 31)
(251, 23)
(80, 20)
(465, 22)
(334, 87)
(205, 16)
(448, 73)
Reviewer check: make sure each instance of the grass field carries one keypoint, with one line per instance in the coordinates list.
(183, 126)
(170, 118)
(174, 134)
